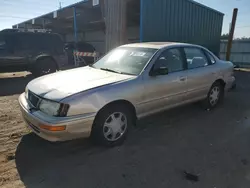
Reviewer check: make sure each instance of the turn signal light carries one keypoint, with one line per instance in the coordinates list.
(53, 128)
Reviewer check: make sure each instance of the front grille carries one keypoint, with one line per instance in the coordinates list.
(33, 99)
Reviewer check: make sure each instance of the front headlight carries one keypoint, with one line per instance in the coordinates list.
(53, 108)
(49, 107)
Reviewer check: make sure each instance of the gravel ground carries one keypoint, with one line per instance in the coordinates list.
(212, 145)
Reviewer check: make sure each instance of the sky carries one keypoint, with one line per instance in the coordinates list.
(16, 11)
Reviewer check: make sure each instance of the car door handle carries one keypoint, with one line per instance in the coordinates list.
(183, 78)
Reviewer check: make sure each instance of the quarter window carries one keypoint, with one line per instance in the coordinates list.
(195, 58)
(171, 59)
(211, 58)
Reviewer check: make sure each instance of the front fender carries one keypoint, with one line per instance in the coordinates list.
(93, 100)
(85, 103)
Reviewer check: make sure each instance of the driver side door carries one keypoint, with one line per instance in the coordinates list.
(163, 91)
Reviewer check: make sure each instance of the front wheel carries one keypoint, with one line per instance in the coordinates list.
(43, 67)
(111, 125)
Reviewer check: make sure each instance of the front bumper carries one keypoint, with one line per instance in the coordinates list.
(76, 126)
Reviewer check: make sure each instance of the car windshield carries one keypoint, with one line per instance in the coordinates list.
(125, 60)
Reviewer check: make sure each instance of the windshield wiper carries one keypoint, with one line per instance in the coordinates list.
(128, 73)
(110, 70)
(119, 72)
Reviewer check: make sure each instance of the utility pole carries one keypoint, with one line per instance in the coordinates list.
(60, 4)
(231, 34)
(230, 25)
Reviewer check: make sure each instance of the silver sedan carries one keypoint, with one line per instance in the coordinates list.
(104, 100)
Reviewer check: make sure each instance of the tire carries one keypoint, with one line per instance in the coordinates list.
(234, 86)
(214, 96)
(43, 67)
(108, 134)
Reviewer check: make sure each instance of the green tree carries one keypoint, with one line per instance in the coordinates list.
(224, 36)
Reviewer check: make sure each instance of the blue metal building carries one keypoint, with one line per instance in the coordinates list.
(147, 20)
(181, 20)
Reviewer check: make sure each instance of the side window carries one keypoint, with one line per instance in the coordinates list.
(56, 44)
(13, 42)
(211, 58)
(32, 42)
(195, 58)
(171, 59)
(23, 41)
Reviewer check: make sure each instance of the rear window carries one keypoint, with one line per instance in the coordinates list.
(211, 58)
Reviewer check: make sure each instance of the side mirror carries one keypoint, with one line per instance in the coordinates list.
(159, 71)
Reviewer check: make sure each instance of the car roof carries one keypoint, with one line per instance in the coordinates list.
(158, 45)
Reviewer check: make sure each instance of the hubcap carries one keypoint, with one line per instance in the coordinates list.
(115, 126)
(214, 95)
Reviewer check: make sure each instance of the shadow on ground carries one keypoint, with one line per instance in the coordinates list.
(14, 85)
(210, 144)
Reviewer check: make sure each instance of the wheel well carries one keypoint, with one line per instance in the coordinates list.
(47, 57)
(221, 82)
(126, 103)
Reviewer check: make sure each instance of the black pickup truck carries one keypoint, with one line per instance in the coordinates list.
(37, 52)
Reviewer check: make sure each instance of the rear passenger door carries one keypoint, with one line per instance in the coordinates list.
(12, 54)
(200, 73)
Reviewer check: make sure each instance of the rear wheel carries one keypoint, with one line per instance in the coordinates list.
(111, 125)
(43, 67)
(214, 96)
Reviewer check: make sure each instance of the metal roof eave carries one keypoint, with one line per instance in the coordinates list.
(83, 2)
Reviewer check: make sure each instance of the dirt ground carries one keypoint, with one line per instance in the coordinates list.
(214, 145)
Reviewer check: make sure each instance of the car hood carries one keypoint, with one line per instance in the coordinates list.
(65, 83)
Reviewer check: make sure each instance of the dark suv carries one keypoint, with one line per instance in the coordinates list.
(39, 53)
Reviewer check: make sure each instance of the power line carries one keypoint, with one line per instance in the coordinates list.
(243, 26)
(27, 2)
(30, 6)
(14, 17)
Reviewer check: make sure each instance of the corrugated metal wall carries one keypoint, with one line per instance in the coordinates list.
(97, 38)
(240, 53)
(181, 21)
(115, 21)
